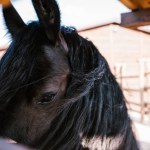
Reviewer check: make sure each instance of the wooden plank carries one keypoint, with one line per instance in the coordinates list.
(141, 4)
(129, 4)
(136, 4)
(144, 3)
(136, 19)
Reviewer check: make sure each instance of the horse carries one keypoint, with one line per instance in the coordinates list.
(57, 91)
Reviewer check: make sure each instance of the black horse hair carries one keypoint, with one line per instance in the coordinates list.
(93, 113)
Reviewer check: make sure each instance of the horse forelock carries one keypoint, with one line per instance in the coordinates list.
(17, 66)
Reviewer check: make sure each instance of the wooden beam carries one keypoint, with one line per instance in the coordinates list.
(136, 4)
(136, 19)
(129, 4)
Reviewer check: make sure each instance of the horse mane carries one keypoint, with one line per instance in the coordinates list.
(95, 106)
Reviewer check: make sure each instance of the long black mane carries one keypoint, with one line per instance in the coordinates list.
(91, 114)
(96, 109)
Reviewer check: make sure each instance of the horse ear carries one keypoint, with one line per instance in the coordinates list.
(49, 17)
(12, 19)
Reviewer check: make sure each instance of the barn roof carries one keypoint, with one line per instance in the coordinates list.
(109, 23)
(136, 4)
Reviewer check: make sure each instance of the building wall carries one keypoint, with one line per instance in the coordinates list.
(119, 44)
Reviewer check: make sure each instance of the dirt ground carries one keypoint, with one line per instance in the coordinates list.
(142, 130)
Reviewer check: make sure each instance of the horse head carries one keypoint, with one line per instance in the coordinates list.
(56, 89)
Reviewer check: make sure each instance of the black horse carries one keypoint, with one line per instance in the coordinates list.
(56, 90)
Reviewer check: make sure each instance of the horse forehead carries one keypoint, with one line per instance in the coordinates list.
(59, 68)
(58, 58)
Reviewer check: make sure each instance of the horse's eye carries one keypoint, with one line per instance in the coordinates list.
(46, 98)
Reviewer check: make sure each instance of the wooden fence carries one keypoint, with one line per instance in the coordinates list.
(135, 80)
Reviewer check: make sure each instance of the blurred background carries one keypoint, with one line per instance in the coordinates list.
(121, 31)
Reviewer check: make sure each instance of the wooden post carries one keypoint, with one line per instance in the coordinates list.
(141, 77)
(147, 102)
(120, 70)
(136, 19)
(123, 73)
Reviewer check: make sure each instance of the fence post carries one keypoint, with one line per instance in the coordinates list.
(141, 77)
(120, 69)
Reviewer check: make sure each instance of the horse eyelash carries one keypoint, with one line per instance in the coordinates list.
(38, 100)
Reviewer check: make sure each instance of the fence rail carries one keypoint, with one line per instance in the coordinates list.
(142, 85)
